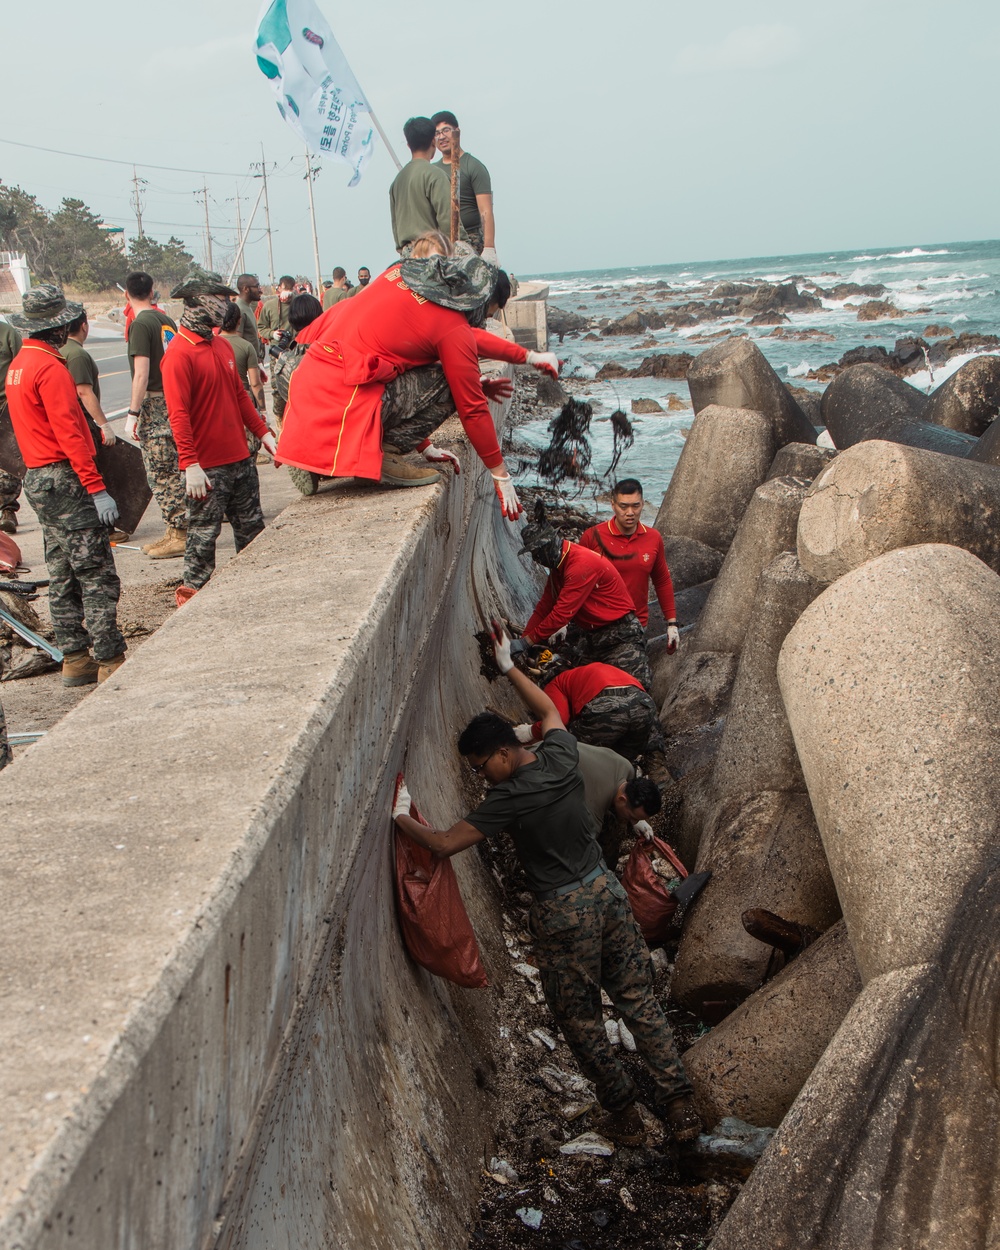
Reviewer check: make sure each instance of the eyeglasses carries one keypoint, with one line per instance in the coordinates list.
(443, 132)
(478, 768)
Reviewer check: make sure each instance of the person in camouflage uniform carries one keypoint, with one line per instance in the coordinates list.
(63, 486)
(585, 937)
(6, 755)
(234, 497)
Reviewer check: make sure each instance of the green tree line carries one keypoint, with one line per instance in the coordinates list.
(69, 247)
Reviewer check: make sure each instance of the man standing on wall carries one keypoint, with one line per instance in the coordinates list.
(585, 937)
(420, 195)
(10, 486)
(636, 551)
(149, 335)
(475, 189)
(63, 486)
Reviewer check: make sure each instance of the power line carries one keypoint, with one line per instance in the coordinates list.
(108, 160)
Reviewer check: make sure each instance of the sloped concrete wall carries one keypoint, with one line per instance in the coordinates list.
(210, 1033)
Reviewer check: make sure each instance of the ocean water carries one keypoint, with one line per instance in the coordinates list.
(951, 284)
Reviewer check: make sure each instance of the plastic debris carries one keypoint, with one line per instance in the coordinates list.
(529, 972)
(660, 961)
(570, 1084)
(611, 1028)
(543, 1038)
(549, 1194)
(628, 1041)
(628, 1202)
(573, 1110)
(502, 1171)
(588, 1144)
(733, 1145)
(605, 1001)
(529, 1216)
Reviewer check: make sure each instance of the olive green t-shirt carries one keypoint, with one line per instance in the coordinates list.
(149, 335)
(603, 772)
(543, 807)
(248, 325)
(473, 180)
(246, 359)
(82, 366)
(10, 345)
(420, 200)
(334, 296)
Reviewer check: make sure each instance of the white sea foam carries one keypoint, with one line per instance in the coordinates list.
(800, 371)
(924, 381)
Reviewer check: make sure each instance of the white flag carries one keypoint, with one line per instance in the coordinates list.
(318, 94)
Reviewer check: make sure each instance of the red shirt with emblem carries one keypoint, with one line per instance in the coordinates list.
(49, 423)
(585, 589)
(332, 423)
(640, 559)
(206, 403)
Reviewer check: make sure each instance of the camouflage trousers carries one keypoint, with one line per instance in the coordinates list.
(6, 755)
(159, 454)
(588, 940)
(414, 405)
(10, 492)
(622, 643)
(234, 497)
(620, 717)
(83, 583)
(476, 238)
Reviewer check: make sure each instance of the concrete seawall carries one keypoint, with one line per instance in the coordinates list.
(210, 1033)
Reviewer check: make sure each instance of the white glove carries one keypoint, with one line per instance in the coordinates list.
(559, 636)
(107, 435)
(501, 648)
(644, 829)
(402, 801)
(269, 445)
(438, 455)
(131, 426)
(107, 509)
(544, 362)
(510, 505)
(525, 733)
(673, 638)
(196, 482)
(489, 254)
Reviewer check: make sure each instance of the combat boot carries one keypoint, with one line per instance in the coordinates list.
(107, 667)
(8, 521)
(79, 668)
(170, 546)
(305, 483)
(396, 472)
(148, 547)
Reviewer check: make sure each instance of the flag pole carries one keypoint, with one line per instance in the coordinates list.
(456, 156)
(312, 217)
(378, 126)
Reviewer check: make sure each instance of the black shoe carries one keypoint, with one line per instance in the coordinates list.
(8, 521)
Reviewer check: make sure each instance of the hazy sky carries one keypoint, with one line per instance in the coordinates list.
(634, 133)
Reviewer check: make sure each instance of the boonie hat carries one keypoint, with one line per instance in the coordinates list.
(463, 283)
(44, 308)
(198, 281)
(537, 534)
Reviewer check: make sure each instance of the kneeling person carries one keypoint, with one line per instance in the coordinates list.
(584, 933)
(605, 706)
(209, 411)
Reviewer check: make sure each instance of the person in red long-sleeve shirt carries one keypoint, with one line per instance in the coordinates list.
(208, 410)
(356, 379)
(636, 551)
(585, 592)
(65, 489)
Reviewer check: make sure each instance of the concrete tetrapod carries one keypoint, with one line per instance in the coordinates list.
(891, 681)
(878, 496)
(690, 562)
(760, 840)
(754, 1063)
(969, 400)
(804, 460)
(725, 458)
(866, 402)
(735, 374)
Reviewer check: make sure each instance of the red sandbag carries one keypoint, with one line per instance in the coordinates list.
(436, 927)
(653, 904)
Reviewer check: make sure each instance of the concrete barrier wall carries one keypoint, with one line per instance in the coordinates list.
(209, 1030)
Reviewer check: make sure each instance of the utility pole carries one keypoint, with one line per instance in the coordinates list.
(310, 173)
(208, 229)
(267, 217)
(239, 232)
(137, 194)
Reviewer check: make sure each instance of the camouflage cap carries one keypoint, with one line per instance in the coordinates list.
(44, 308)
(460, 282)
(198, 281)
(537, 534)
